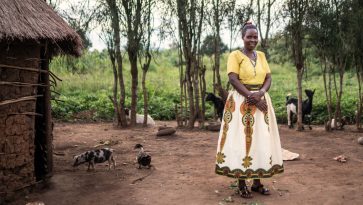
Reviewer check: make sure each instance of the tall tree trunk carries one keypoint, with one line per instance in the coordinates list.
(190, 28)
(146, 65)
(133, 14)
(327, 97)
(111, 52)
(261, 10)
(203, 90)
(216, 7)
(358, 114)
(190, 96)
(341, 63)
(297, 11)
(116, 32)
(196, 93)
(182, 85)
(134, 83)
(299, 106)
(144, 90)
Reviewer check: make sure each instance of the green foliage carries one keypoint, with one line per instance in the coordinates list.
(208, 46)
(88, 91)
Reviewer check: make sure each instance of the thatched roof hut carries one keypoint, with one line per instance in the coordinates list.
(35, 20)
(30, 34)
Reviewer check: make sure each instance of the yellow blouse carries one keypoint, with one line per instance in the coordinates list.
(240, 64)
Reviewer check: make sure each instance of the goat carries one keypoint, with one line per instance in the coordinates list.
(217, 102)
(307, 106)
(140, 118)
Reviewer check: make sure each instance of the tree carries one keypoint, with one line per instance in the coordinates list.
(357, 46)
(264, 17)
(208, 46)
(190, 16)
(330, 30)
(147, 57)
(53, 3)
(114, 50)
(296, 11)
(79, 16)
(320, 28)
(135, 11)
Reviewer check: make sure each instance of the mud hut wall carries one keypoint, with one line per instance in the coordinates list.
(16, 127)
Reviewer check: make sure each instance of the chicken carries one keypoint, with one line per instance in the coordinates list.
(142, 158)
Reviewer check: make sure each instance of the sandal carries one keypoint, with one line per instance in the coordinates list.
(244, 192)
(260, 189)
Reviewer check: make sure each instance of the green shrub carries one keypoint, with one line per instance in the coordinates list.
(86, 89)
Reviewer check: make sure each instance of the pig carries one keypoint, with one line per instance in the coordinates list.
(95, 156)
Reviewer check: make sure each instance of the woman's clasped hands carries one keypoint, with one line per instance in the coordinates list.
(256, 99)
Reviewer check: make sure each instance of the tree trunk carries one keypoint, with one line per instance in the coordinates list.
(134, 83)
(190, 29)
(359, 72)
(144, 90)
(182, 86)
(341, 64)
(146, 64)
(216, 6)
(116, 32)
(327, 97)
(111, 53)
(190, 96)
(196, 93)
(299, 106)
(203, 90)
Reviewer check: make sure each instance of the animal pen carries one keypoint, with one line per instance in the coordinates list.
(31, 33)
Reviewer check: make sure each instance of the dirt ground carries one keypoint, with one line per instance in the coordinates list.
(183, 169)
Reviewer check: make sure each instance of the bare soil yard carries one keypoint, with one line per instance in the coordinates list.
(183, 169)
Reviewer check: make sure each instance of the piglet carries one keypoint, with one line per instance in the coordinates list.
(95, 156)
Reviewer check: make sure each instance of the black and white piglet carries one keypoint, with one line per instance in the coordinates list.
(95, 156)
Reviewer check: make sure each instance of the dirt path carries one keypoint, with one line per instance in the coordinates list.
(183, 171)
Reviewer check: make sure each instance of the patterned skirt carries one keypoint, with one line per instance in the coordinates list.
(249, 142)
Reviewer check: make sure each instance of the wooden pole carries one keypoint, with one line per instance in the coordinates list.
(47, 112)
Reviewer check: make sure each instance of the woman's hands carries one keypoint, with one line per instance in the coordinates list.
(262, 105)
(255, 99)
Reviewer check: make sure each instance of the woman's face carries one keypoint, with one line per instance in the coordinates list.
(250, 39)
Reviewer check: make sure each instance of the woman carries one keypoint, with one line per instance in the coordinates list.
(249, 143)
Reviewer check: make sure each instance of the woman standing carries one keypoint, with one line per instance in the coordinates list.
(249, 142)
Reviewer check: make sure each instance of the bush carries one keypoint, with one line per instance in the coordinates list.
(87, 91)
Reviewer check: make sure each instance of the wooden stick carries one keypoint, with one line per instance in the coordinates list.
(23, 68)
(26, 113)
(57, 100)
(26, 98)
(54, 76)
(53, 91)
(34, 59)
(20, 84)
(54, 82)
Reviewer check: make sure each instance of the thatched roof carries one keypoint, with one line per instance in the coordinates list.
(36, 20)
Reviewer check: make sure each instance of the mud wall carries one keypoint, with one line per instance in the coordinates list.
(17, 118)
